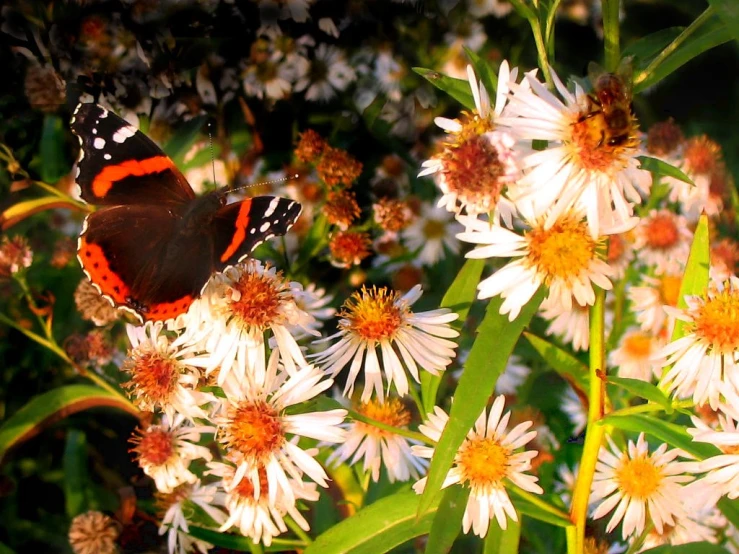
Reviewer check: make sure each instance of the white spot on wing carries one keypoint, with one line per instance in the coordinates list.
(107, 156)
(99, 143)
(94, 131)
(264, 227)
(253, 230)
(272, 207)
(123, 133)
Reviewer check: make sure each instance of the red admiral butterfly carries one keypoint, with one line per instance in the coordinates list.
(153, 244)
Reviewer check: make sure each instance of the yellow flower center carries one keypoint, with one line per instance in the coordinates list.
(434, 229)
(154, 376)
(254, 429)
(564, 251)
(661, 232)
(669, 289)
(374, 314)
(589, 147)
(639, 478)
(392, 412)
(638, 345)
(483, 463)
(717, 321)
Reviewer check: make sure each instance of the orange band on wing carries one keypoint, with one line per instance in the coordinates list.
(242, 222)
(113, 173)
(98, 270)
(168, 310)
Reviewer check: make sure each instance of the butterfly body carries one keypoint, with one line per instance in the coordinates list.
(152, 244)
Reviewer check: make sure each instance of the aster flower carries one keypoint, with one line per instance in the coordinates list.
(315, 302)
(620, 253)
(377, 318)
(571, 325)
(260, 436)
(476, 163)
(164, 451)
(250, 509)
(514, 375)
(349, 248)
(634, 355)
(687, 529)
(377, 447)
(648, 301)
(706, 357)
(270, 77)
(237, 306)
(432, 234)
(663, 241)
(487, 458)
(329, 72)
(700, 158)
(162, 377)
(176, 504)
(561, 255)
(641, 484)
(481, 8)
(580, 168)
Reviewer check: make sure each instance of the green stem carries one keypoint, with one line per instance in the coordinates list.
(385, 427)
(295, 528)
(674, 45)
(417, 400)
(571, 534)
(549, 29)
(541, 49)
(56, 192)
(650, 407)
(537, 501)
(255, 548)
(595, 433)
(611, 31)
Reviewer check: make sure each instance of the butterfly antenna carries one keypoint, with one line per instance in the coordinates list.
(271, 182)
(212, 158)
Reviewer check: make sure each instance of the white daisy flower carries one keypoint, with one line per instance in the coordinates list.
(388, 72)
(571, 325)
(481, 8)
(663, 241)
(633, 358)
(377, 447)
(641, 486)
(514, 375)
(329, 72)
(706, 357)
(182, 500)
(582, 167)
(564, 486)
(648, 302)
(486, 459)
(687, 529)
(162, 376)
(380, 318)
(237, 306)
(432, 234)
(250, 509)
(620, 253)
(271, 77)
(164, 451)
(562, 256)
(315, 302)
(476, 163)
(700, 158)
(257, 431)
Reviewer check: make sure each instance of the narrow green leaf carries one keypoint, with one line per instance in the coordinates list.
(485, 72)
(41, 411)
(183, 139)
(459, 89)
(706, 33)
(53, 162)
(728, 11)
(458, 298)
(674, 435)
(21, 210)
(569, 368)
(75, 473)
(696, 276)
(498, 541)
(377, 528)
(647, 48)
(659, 167)
(4, 549)
(537, 512)
(688, 548)
(487, 360)
(240, 543)
(730, 508)
(448, 520)
(642, 389)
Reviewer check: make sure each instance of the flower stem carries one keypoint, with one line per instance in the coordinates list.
(595, 433)
(295, 528)
(611, 34)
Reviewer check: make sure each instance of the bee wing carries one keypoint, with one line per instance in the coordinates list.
(626, 73)
(595, 72)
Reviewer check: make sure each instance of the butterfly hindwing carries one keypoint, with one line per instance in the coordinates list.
(120, 165)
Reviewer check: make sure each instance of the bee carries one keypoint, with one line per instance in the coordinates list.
(610, 103)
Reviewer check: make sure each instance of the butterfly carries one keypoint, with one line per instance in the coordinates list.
(152, 244)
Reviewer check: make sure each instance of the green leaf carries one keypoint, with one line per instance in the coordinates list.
(689, 548)
(537, 512)
(41, 411)
(448, 521)
(75, 473)
(487, 360)
(26, 208)
(498, 541)
(642, 389)
(728, 11)
(674, 435)
(315, 241)
(730, 508)
(4, 549)
(458, 298)
(241, 543)
(459, 89)
(377, 528)
(485, 72)
(647, 48)
(708, 31)
(659, 167)
(696, 276)
(183, 139)
(53, 159)
(569, 368)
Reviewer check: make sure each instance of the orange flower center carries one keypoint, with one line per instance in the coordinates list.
(639, 478)
(392, 413)
(661, 231)
(259, 298)
(254, 429)
(373, 314)
(717, 321)
(483, 463)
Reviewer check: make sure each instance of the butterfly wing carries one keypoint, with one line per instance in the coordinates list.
(137, 259)
(118, 164)
(242, 226)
